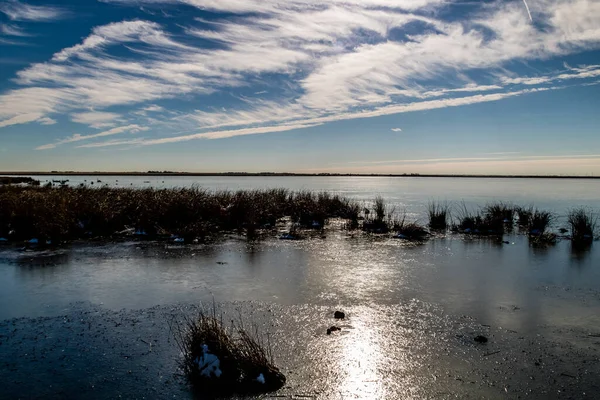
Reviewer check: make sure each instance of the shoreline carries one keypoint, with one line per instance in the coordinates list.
(283, 174)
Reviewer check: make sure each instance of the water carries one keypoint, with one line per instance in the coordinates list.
(419, 302)
(474, 277)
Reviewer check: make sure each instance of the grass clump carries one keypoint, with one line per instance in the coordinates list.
(582, 223)
(438, 213)
(377, 220)
(539, 222)
(221, 360)
(500, 212)
(524, 214)
(488, 221)
(409, 230)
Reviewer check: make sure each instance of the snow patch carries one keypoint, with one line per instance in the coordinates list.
(209, 364)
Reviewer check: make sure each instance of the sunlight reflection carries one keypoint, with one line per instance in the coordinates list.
(361, 361)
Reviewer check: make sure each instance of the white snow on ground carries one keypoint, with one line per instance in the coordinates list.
(209, 364)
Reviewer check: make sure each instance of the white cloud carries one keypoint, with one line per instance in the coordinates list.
(20, 119)
(46, 121)
(12, 30)
(332, 61)
(20, 11)
(110, 143)
(153, 108)
(228, 133)
(77, 137)
(96, 119)
(396, 129)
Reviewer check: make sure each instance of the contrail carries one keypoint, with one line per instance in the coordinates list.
(528, 12)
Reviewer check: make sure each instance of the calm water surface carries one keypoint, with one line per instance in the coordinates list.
(515, 283)
(421, 303)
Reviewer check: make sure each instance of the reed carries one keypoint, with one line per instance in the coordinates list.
(439, 214)
(64, 213)
(583, 225)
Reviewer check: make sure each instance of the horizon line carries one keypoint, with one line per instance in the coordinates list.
(290, 174)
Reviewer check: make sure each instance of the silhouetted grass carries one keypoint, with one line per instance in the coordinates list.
(409, 230)
(583, 225)
(490, 221)
(498, 214)
(539, 222)
(438, 213)
(66, 213)
(379, 219)
(524, 214)
(14, 180)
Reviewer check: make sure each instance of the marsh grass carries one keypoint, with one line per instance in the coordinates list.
(15, 180)
(498, 214)
(242, 356)
(439, 214)
(65, 213)
(379, 219)
(582, 223)
(539, 222)
(488, 221)
(524, 215)
(409, 230)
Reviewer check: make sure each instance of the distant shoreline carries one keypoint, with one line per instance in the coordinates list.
(286, 174)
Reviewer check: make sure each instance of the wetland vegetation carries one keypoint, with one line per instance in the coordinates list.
(49, 214)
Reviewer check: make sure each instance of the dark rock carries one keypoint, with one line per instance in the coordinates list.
(333, 329)
(480, 339)
(339, 315)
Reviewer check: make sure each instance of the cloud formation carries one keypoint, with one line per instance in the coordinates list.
(78, 137)
(20, 11)
(335, 61)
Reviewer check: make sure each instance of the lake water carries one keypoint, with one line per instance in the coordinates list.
(552, 292)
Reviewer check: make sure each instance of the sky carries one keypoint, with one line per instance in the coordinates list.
(348, 86)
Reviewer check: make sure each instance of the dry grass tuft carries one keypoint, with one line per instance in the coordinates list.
(244, 363)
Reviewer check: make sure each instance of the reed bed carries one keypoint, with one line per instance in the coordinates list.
(64, 213)
(493, 219)
(53, 214)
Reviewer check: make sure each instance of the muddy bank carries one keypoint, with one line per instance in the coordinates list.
(394, 351)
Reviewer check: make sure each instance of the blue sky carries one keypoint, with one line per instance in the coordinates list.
(370, 86)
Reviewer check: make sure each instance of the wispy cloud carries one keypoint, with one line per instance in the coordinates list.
(46, 121)
(77, 137)
(21, 11)
(111, 143)
(96, 119)
(12, 30)
(396, 129)
(337, 60)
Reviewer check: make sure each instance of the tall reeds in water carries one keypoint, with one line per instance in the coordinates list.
(439, 214)
(493, 219)
(70, 213)
(583, 226)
